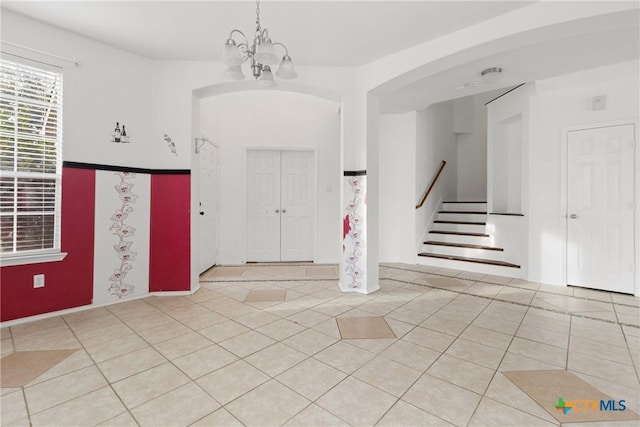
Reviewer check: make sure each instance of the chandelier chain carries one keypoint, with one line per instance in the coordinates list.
(257, 16)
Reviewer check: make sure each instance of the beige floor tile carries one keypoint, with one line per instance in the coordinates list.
(5, 332)
(21, 368)
(156, 319)
(356, 402)
(484, 289)
(504, 391)
(500, 280)
(331, 308)
(123, 420)
(29, 328)
(411, 355)
(489, 357)
(219, 418)
(235, 309)
(408, 316)
(372, 345)
(149, 384)
(516, 362)
(223, 331)
(130, 364)
(13, 407)
(387, 375)
(597, 367)
(314, 415)
(6, 346)
(204, 361)
(399, 327)
(270, 404)
(182, 345)
(496, 324)
(166, 303)
(614, 389)
(520, 296)
(203, 295)
(434, 340)
(266, 295)
(344, 357)
(234, 380)
(309, 342)
(98, 335)
(435, 396)
(79, 359)
(544, 336)
(364, 327)
(311, 378)
(329, 327)
(109, 349)
(280, 329)
(275, 359)
(83, 326)
(488, 337)
(55, 338)
(255, 320)
(492, 413)
(403, 414)
(164, 332)
(61, 389)
(543, 352)
(90, 409)
(247, 343)
(202, 321)
(308, 318)
(444, 325)
(461, 372)
(180, 407)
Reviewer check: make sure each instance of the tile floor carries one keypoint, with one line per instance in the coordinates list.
(260, 345)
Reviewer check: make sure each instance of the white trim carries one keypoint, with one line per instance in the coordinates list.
(24, 259)
(172, 293)
(564, 192)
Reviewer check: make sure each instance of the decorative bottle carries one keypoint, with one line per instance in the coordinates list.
(124, 135)
(116, 133)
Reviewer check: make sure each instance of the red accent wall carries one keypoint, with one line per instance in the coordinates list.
(170, 257)
(68, 283)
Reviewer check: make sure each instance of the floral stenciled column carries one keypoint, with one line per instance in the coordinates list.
(359, 263)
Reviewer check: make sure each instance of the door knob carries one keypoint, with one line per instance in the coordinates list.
(573, 216)
(201, 213)
(277, 210)
(284, 211)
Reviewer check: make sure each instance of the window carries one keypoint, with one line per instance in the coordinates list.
(30, 161)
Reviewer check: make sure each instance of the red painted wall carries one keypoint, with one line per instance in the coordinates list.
(68, 283)
(170, 257)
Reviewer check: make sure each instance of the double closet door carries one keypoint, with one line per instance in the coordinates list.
(280, 205)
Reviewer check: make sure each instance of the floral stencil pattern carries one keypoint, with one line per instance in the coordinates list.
(124, 233)
(353, 231)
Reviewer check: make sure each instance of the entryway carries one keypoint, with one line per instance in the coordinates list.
(601, 208)
(280, 205)
(208, 205)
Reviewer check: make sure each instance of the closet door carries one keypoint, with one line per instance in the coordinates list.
(263, 205)
(297, 197)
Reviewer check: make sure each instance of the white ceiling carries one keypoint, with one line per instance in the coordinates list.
(331, 33)
(352, 33)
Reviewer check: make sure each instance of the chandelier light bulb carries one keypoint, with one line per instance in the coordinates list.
(266, 77)
(286, 69)
(231, 55)
(266, 53)
(234, 72)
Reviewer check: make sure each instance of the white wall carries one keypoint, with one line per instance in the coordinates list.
(108, 86)
(251, 119)
(472, 146)
(435, 142)
(561, 102)
(397, 187)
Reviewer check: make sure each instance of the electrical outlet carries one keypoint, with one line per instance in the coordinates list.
(38, 281)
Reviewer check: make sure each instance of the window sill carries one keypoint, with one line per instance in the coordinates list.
(31, 259)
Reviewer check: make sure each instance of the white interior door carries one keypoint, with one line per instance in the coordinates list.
(601, 208)
(208, 206)
(296, 242)
(280, 205)
(263, 203)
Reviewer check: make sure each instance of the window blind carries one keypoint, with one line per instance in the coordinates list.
(30, 158)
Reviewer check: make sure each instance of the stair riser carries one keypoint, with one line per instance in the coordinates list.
(460, 227)
(471, 266)
(452, 238)
(481, 207)
(464, 252)
(462, 217)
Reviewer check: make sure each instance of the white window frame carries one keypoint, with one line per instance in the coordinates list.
(49, 254)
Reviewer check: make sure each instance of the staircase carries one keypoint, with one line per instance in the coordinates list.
(459, 240)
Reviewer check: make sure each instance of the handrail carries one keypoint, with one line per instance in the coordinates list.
(433, 182)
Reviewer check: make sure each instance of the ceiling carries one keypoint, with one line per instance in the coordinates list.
(321, 33)
(353, 33)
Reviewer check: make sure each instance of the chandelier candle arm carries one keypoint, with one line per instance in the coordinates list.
(262, 54)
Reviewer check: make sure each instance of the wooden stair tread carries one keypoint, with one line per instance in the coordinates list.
(476, 260)
(458, 233)
(440, 221)
(463, 245)
(463, 212)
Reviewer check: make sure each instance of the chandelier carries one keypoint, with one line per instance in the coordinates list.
(261, 53)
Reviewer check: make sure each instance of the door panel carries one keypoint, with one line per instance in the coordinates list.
(601, 208)
(263, 200)
(208, 218)
(297, 206)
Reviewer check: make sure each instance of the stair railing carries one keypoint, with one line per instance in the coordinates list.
(433, 182)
